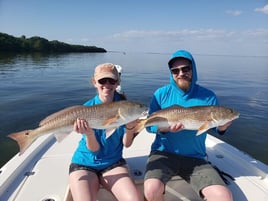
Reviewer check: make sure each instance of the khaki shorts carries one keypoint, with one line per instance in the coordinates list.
(197, 172)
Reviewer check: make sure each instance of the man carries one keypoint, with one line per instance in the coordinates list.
(180, 152)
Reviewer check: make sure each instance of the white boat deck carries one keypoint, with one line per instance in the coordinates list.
(41, 173)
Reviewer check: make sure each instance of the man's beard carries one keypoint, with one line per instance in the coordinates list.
(184, 84)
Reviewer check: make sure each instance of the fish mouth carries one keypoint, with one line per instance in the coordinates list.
(144, 114)
(236, 117)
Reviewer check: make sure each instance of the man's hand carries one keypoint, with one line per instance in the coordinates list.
(173, 128)
(224, 127)
(176, 127)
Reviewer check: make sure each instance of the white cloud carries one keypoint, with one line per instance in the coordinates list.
(218, 41)
(263, 10)
(257, 33)
(210, 41)
(187, 34)
(234, 12)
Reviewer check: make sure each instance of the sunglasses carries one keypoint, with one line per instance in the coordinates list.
(107, 80)
(184, 69)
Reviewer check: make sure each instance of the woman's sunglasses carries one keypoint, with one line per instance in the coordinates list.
(107, 80)
(184, 69)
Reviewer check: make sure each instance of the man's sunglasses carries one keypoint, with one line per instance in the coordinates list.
(107, 80)
(184, 69)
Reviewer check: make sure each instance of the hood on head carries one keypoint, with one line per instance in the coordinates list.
(187, 55)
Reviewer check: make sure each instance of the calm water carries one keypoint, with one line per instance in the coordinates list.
(33, 86)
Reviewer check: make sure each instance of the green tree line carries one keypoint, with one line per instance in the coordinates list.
(10, 43)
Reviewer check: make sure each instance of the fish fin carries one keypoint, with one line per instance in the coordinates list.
(62, 133)
(23, 138)
(204, 127)
(110, 121)
(109, 132)
(113, 119)
(120, 114)
(60, 136)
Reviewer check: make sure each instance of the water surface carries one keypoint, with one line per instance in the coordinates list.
(34, 86)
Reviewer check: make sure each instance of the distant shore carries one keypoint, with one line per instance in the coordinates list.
(9, 43)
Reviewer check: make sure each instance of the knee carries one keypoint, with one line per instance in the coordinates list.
(132, 197)
(153, 189)
(217, 192)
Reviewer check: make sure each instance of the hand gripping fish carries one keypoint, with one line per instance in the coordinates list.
(107, 116)
(200, 118)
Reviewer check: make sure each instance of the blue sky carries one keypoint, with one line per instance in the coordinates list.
(229, 27)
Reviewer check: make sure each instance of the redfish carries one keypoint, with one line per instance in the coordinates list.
(106, 116)
(200, 118)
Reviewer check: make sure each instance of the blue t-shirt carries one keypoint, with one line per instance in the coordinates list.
(110, 149)
(184, 142)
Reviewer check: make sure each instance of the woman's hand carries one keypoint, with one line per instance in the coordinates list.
(81, 126)
(131, 125)
(131, 133)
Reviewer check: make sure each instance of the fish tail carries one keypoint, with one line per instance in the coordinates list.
(140, 125)
(23, 139)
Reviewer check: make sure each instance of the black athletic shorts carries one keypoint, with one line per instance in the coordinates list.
(73, 167)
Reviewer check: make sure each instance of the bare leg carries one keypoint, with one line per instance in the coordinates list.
(119, 182)
(84, 185)
(153, 190)
(217, 192)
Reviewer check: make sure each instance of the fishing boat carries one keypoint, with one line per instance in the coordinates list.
(41, 172)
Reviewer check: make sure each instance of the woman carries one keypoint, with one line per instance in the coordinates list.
(98, 160)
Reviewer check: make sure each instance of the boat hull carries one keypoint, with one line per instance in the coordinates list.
(43, 169)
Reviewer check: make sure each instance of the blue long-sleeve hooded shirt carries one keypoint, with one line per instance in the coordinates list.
(184, 142)
(110, 148)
